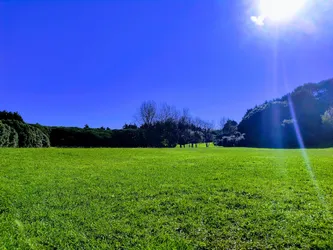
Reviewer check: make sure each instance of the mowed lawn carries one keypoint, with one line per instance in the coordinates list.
(201, 198)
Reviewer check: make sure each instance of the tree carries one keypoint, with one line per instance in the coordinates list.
(167, 112)
(4, 115)
(147, 113)
(185, 137)
(130, 126)
(327, 118)
(206, 129)
(183, 131)
(29, 136)
(262, 125)
(273, 123)
(230, 127)
(198, 137)
(8, 136)
(169, 131)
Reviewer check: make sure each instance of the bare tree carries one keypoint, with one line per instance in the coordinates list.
(147, 113)
(167, 112)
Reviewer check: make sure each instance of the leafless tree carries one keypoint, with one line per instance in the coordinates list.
(167, 112)
(147, 113)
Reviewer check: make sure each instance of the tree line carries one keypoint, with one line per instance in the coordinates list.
(302, 118)
(163, 126)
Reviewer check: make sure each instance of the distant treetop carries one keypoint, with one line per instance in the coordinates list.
(4, 115)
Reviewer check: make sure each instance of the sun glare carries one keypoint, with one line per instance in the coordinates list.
(280, 10)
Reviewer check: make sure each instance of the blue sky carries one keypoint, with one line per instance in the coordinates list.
(93, 62)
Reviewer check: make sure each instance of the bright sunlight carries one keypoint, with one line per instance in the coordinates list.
(278, 10)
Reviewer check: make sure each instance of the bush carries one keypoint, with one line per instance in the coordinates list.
(38, 139)
(28, 136)
(8, 136)
(235, 140)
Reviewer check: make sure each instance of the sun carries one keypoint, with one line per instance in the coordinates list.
(280, 10)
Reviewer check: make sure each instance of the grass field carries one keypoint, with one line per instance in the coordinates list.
(204, 198)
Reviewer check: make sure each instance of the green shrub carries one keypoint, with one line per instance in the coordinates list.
(29, 136)
(8, 136)
(13, 138)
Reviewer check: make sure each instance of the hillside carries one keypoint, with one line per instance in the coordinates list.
(306, 110)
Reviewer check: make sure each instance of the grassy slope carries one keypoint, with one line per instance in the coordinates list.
(165, 198)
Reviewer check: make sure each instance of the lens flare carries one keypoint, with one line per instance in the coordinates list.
(277, 10)
(302, 147)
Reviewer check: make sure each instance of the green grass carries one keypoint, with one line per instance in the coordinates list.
(204, 198)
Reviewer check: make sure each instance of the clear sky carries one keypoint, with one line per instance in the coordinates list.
(93, 62)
